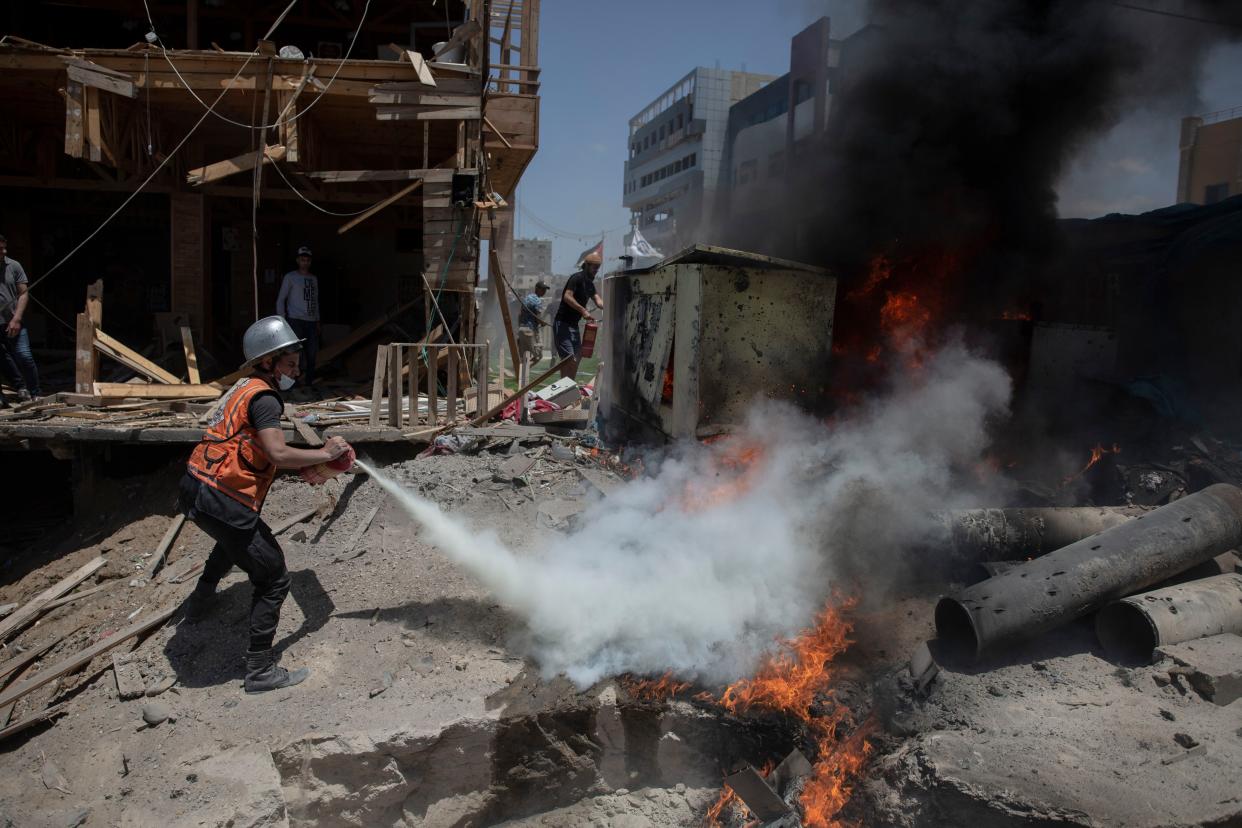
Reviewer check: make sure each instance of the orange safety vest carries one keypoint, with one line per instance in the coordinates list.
(230, 457)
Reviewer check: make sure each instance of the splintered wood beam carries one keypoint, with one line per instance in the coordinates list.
(144, 391)
(497, 132)
(392, 199)
(420, 66)
(34, 608)
(86, 365)
(191, 357)
(431, 176)
(432, 113)
(362, 332)
(122, 353)
(237, 164)
(75, 119)
(99, 77)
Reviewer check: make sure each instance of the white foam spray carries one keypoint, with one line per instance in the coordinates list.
(657, 577)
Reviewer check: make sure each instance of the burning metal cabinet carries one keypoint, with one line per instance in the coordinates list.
(690, 341)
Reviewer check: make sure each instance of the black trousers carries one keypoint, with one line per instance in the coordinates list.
(256, 552)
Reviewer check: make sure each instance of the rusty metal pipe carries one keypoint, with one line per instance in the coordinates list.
(974, 536)
(1130, 629)
(1080, 578)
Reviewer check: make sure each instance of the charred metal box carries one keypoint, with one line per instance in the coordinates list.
(690, 342)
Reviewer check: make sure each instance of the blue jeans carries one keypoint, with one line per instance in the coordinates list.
(567, 338)
(18, 363)
(310, 348)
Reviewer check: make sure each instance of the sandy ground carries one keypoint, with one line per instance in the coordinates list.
(421, 711)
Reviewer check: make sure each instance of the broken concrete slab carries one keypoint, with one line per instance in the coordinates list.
(1212, 666)
(923, 667)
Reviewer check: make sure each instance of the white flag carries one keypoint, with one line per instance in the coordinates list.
(640, 248)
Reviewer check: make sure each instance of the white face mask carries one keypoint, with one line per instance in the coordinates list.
(284, 383)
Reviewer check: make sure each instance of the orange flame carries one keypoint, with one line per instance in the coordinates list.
(1017, 315)
(727, 797)
(1097, 454)
(796, 679)
(736, 465)
(652, 689)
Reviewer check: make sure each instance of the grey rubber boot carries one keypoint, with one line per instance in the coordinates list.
(263, 673)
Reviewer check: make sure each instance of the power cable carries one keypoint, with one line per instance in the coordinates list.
(228, 86)
(316, 206)
(1165, 13)
(280, 119)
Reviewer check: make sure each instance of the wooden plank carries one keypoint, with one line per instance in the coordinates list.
(94, 75)
(191, 358)
(410, 98)
(452, 384)
(92, 127)
(32, 720)
(377, 383)
(84, 657)
(394, 385)
(94, 302)
(498, 277)
(122, 353)
(397, 196)
(517, 395)
(77, 596)
(420, 68)
(362, 332)
(75, 122)
(18, 663)
(86, 361)
(309, 434)
(412, 376)
(360, 530)
(234, 165)
(433, 386)
(482, 389)
(418, 113)
(433, 175)
(33, 608)
(161, 551)
(497, 132)
(155, 392)
(295, 519)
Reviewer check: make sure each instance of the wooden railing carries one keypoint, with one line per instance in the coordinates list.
(512, 46)
(400, 370)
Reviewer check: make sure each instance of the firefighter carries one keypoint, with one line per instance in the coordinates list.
(579, 290)
(226, 481)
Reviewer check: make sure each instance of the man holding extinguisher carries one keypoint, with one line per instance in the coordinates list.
(579, 290)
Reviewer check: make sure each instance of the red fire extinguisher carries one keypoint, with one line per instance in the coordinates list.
(588, 339)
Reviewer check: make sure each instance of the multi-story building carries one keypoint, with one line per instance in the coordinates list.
(532, 261)
(1210, 169)
(676, 144)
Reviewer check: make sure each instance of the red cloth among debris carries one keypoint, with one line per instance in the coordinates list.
(511, 410)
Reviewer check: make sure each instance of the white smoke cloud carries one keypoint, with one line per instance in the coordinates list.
(648, 584)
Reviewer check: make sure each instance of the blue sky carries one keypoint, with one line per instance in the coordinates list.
(603, 60)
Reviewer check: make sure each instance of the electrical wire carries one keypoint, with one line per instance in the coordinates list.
(1164, 13)
(280, 119)
(316, 206)
(566, 234)
(159, 168)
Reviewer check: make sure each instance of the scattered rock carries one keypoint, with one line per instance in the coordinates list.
(52, 778)
(385, 682)
(1185, 739)
(161, 686)
(129, 683)
(1212, 666)
(154, 713)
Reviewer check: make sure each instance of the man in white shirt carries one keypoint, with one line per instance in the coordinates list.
(298, 303)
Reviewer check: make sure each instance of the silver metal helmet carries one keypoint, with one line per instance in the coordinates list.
(270, 335)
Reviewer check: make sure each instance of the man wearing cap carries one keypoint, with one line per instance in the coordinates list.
(529, 320)
(226, 482)
(298, 303)
(579, 290)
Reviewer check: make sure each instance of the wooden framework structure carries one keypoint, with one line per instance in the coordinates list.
(433, 143)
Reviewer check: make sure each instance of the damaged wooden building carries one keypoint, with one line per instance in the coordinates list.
(183, 152)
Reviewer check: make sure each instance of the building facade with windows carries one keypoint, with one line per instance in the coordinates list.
(1210, 167)
(532, 261)
(676, 145)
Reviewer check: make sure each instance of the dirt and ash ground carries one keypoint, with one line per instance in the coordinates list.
(420, 710)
